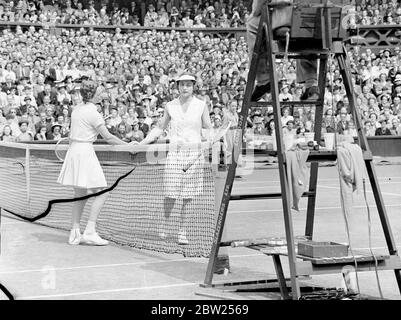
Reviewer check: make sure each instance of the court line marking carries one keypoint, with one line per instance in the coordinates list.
(247, 187)
(186, 284)
(127, 264)
(301, 209)
(202, 260)
(11, 223)
(384, 193)
(381, 179)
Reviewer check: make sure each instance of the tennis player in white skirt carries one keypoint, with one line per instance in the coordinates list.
(81, 168)
(187, 116)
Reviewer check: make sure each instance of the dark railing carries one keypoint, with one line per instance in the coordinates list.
(376, 37)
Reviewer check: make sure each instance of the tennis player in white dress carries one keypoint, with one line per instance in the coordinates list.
(81, 168)
(187, 116)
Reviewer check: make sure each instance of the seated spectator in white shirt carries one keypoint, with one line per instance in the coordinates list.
(24, 135)
(286, 116)
(115, 118)
(284, 94)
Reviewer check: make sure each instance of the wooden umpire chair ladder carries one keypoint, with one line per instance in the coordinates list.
(316, 32)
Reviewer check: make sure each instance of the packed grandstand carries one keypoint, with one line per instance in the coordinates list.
(135, 54)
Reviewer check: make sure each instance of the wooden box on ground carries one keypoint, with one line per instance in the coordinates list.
(316, 249)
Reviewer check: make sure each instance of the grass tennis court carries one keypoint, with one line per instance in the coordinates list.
(37, 263)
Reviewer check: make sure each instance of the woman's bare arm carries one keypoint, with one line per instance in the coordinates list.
(158, 130)
(110, 139)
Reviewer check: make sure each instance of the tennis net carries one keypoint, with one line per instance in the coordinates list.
(134, 210)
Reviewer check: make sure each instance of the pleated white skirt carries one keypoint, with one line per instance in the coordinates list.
(81, 167)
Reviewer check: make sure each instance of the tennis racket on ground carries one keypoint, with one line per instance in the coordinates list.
(61, 148)
(216, 138)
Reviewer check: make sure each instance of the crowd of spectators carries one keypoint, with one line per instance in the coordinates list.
(40, 73)
(374, 12)
(162, 13)
(170, 13)
(377, 85)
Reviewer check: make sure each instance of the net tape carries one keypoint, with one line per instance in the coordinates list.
(134, 211)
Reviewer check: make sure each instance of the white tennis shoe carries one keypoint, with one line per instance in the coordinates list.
(75, 237)
(94, 239)
(182, 237)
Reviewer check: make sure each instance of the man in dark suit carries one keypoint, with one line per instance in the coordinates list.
(47, 92)
(44, 121)
(142, 125)
(383, 131)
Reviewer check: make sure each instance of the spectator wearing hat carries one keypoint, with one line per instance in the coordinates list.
(142, 84)
(26, 105)
(151, 17)
(42, 134)
(24, 135)
(285, 94)
(62, 96)
(13, 99)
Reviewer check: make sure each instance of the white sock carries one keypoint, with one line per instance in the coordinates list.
(90, 227)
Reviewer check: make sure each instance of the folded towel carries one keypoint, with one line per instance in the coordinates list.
(297, 174)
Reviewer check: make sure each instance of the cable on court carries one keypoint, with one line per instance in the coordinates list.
(55, 201)
(6, 292)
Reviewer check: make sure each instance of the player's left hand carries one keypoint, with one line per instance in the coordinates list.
(132, 144)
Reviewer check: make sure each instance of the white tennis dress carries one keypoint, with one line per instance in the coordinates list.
(185, 128)
(81, 167)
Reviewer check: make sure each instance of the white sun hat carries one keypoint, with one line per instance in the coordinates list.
(186, 77)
